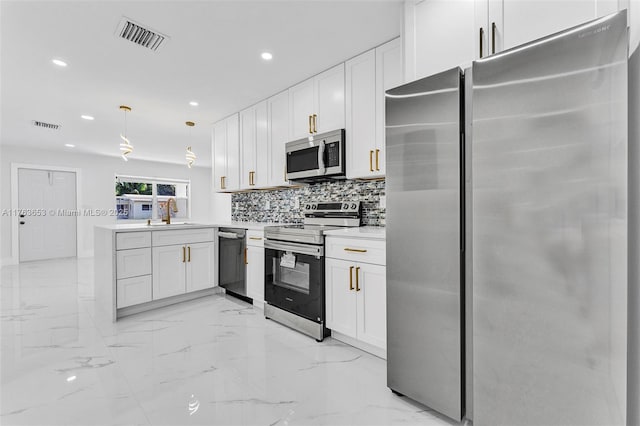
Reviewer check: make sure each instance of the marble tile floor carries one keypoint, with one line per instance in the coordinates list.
(213, 361)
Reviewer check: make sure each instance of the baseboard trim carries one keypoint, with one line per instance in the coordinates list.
(374, 350)
(155, 304)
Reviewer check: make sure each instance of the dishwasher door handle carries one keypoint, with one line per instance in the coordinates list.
(229, 235)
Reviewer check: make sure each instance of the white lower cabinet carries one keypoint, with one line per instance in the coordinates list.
(200, 262)
(356, 302)
(133, 291)
(255, 267)
(183, 268)
(169, 275)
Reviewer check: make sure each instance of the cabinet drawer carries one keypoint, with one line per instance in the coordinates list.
(255, 238)
(133, 291)
(132, 240)
(356, 250)
(182, 236)
(133, 263)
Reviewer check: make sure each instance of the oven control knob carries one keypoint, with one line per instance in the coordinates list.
(345, 206)
(315, 206)
(308, 207)
(353, 206)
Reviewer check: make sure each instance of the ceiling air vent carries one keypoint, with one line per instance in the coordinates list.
(44, 125)
(136, 33)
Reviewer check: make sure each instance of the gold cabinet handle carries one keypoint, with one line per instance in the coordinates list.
(355, 250)
(184, 254)
(222, 182)
(370, 160)
(481, 41)
(189, 254)
(310, 124)
(246, 262)
(315, 123)
(255, 238)
(493, 37)
(358, 278)
(285, 174)
(377, 160)
(253, 178)
(250, 179)
(350, 278)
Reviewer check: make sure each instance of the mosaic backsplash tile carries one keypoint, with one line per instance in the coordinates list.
(279, 205)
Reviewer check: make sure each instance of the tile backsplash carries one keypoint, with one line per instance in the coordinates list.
(279, 205)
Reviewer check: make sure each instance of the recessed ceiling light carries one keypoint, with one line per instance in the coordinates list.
(69, 145)
(59, 63)
(193, 103)
(87, 117)
(267, 56)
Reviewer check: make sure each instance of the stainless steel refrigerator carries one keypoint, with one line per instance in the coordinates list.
(550, 230)
(424, 215)
(507, 233)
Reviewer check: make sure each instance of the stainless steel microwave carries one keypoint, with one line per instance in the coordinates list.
(318, 157)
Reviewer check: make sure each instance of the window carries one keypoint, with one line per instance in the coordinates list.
(141, 198)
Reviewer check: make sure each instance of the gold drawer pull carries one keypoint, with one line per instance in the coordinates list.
(255, 238)
(355, 250)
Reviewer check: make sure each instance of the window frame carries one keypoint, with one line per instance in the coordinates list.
(154, 181)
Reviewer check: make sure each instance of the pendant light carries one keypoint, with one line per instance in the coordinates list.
(125, 146)
(191, 157)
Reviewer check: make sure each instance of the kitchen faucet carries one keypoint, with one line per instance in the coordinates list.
(167, 218)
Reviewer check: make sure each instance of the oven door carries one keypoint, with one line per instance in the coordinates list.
(294, 278)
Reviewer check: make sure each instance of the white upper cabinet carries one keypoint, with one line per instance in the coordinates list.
(278, 131)
(443, 36)
(510, 23)
(329, 100)
(301, 105)
(226, 154)
(361, 115)
(254, 146)
(368, 76)
(317, 105)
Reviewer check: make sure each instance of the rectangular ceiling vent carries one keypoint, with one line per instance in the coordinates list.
(44, 125)
(136, 33)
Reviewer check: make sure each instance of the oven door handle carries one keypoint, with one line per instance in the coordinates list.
(321, 167)
(295, 248)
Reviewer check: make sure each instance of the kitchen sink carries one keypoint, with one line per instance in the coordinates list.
(162, 224)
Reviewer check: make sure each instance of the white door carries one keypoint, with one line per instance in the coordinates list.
(260, 177)
(247, 146)
(372, 304)
(301, 109)
(361, 115)
(44, 230)
(232, 180)
(388, 75)
(255, 273)
(219, 155)
(278, 137)
(329, 100)
(200, 261)
(340, 296)
(169, 274)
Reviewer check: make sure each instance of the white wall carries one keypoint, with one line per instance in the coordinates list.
(96, 188)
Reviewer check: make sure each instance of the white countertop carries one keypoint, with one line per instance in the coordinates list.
(142, 226)
(369, 232)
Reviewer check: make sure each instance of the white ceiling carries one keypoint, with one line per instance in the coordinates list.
(213, 57)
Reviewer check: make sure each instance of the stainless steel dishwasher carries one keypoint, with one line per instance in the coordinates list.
(232, 261)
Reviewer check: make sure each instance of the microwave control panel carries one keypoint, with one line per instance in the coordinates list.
(332, 152)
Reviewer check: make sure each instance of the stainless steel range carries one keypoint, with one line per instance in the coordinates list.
(294, 266)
